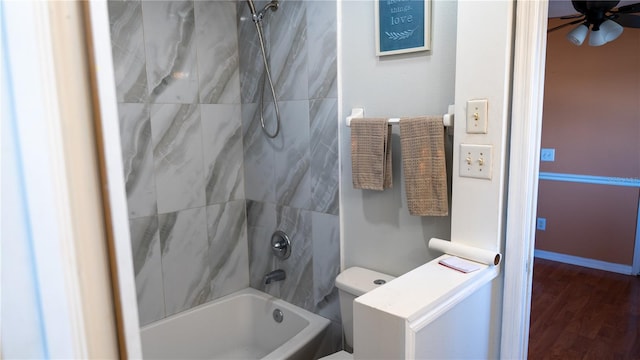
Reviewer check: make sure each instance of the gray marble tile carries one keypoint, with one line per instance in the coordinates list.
(288, 35)
(177, 152)
(259, 157)
(217, 48)
(137, 158)
(325, 181)
(223, 153)
(293, 178)
(127, 47)
(228, 253)
(261, 261)
(329, 307)
(185, 254)
(251, 62)
(172, 73)
(326, 254)
(145, 247)
(298, 287)
(322, 49)
(261, 214)
(261, 223)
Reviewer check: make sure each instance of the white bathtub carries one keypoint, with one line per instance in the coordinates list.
(237, 326)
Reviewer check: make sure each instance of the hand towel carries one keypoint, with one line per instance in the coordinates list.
(423, 163)
(371, 154)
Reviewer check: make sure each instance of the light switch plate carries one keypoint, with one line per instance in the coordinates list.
(477, 113)
(475, 161)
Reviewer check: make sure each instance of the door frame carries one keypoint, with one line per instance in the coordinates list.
(526, 125)
(67, 225)
(524, 166)
(96, 17)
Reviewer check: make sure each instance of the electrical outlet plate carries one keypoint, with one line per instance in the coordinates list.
(477, 116)
(548, 154)
(475, 161)
(541, 224)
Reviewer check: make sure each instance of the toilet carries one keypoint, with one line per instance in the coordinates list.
(351, 283)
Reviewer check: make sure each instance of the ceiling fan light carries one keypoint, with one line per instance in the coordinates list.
(577, 35)
(596, 38)
(612, 30)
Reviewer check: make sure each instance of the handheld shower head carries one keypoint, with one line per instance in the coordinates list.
(257, 17)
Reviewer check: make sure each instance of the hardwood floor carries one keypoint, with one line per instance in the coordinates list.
(582, 313)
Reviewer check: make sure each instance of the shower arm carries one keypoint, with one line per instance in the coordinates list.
(258, 16)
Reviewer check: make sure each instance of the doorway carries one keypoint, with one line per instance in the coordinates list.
(588, 198)
(527, 96)
(590, 152)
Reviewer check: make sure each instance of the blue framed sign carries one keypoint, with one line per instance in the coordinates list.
(402, 26)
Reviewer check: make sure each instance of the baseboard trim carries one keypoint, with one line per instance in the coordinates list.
(580, 261)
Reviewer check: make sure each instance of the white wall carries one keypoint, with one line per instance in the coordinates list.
(22, 324)
(65, 308)
(483, 68)
(378, 232)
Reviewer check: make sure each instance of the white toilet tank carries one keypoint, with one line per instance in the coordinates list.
(351, 283)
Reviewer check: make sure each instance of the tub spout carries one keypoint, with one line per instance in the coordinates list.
(275, 275)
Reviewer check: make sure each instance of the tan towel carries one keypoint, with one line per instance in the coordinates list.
(423, 162)
(371, 154)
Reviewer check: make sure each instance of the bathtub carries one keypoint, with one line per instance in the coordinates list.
(237, 326)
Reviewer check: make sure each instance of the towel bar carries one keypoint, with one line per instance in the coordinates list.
(447, 119)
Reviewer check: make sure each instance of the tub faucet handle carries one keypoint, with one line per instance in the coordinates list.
(280, 245)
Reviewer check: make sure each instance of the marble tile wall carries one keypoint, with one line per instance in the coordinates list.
(312, 267)
(205, 188)
(299, 168)
(292, 180)
(178, 91)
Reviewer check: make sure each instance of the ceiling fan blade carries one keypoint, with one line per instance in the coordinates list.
(565, 25)
(627, 9)
(628, 20)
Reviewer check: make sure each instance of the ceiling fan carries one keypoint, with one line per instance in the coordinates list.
(605, 20)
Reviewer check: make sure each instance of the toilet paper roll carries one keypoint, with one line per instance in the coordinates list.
(464, 251)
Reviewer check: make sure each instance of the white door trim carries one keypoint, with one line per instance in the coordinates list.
(43, 42)
(35, 101)
(97, 15)
(526, 128)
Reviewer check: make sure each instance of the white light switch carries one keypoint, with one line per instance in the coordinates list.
(475, 161)
(477, 116)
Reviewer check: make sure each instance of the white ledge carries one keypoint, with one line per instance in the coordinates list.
(424, 293)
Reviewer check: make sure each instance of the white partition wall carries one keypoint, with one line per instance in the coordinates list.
(460, 332)
(483, 58)
(430, 312)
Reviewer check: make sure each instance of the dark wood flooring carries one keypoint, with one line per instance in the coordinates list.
(582, 313)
